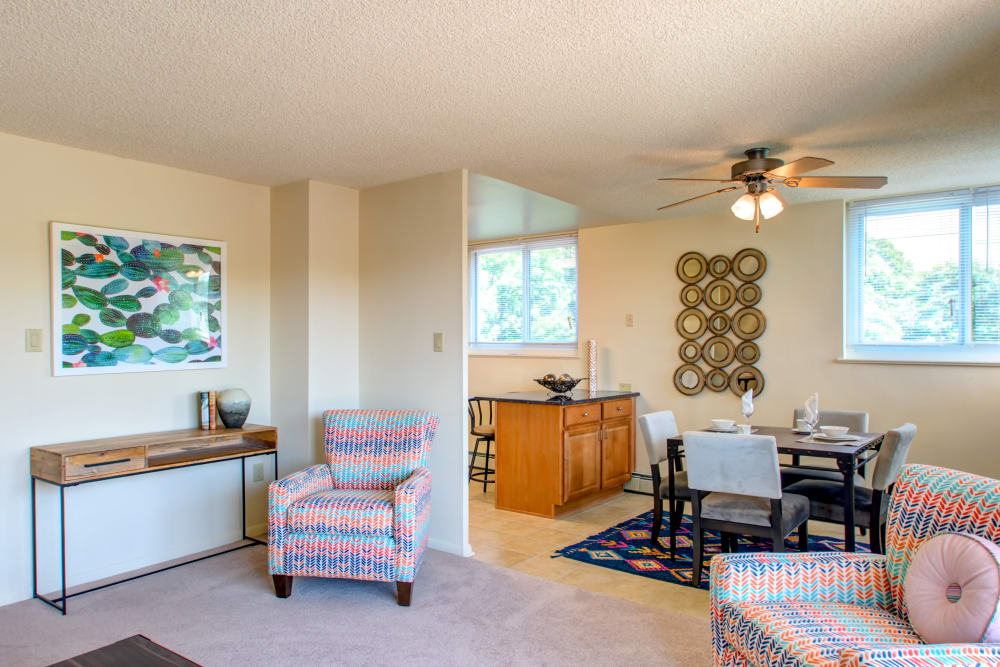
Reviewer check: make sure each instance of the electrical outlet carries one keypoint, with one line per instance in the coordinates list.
(258, 472)
(32, 340)
(629, 320)
(438, 341)
(624, 386)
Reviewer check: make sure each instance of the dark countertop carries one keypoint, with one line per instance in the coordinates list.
(575, 397)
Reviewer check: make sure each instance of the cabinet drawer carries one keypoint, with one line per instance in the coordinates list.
(104, 463)
(583, 414)
(620, 408)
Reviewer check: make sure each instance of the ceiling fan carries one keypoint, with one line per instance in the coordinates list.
(758, 174)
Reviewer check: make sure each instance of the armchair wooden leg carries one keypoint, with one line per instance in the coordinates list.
(404, 589)
(804, 536)
(282, 585)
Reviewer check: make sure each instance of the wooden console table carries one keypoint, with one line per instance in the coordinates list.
(74, 463)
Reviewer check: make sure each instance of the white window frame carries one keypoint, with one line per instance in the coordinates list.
(522, 348)
(963, 351)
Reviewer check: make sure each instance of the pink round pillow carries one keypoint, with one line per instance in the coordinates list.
(952, 589)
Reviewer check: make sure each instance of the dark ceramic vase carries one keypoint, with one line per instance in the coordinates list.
(234, 407)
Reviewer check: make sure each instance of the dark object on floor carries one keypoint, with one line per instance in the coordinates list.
(136, 651)
(282, 585)
(626, 548)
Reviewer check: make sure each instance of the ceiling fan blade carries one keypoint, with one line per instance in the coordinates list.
(702, 180)
(800, 166)
(717, 192)
(871, 182)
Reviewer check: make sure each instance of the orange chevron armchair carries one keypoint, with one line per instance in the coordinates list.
(847, 610)
(365, 513)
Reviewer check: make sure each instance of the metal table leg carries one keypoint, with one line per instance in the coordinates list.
(847, 468)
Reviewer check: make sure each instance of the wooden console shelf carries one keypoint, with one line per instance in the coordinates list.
(88, 460)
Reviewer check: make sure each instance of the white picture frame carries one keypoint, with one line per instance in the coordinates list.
(132, 302)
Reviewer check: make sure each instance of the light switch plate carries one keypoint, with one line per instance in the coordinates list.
(624, 386)
(438, 341)
(258, 472)
(32, 340)
(629, 320)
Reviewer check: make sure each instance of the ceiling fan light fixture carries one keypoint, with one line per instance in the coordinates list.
(745, 208)
(770, 204)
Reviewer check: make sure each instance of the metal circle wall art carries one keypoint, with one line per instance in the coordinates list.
(746, 377)
(749, 264)
(719, 266)
(691, 323)
(748, 294)
(720, 298)
(691, 295)
(717, 380)
(689, 379)
(747, 352)
(691, 267)
(690, 351)
(718, 323)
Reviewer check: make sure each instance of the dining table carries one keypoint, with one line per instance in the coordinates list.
(848, 456)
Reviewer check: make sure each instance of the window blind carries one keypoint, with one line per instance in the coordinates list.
(524, 292)
(923, 271)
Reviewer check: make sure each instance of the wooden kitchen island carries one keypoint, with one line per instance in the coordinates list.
(555, 456)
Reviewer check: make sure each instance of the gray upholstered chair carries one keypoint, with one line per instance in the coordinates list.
(870, 504)
(854, 420)
(656, 427)
(736, 489)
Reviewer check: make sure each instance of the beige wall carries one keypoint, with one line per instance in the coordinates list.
(413, 264)
(631, 269)
(126, 523)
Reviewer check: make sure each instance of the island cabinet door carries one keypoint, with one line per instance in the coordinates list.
(581, 461)
(616, 453)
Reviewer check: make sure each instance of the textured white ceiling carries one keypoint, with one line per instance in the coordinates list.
(584, 100)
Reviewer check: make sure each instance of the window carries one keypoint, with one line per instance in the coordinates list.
(923, 277)
(523, 293)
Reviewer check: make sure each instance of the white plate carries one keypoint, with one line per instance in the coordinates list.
(722, 430)
(835, 438)
(801, 432)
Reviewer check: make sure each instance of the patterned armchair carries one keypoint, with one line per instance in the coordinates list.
(362, 515)
(847, 610)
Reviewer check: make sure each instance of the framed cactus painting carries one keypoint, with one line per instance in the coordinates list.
(127, 301)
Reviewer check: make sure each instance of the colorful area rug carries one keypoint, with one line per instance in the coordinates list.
(626, 548)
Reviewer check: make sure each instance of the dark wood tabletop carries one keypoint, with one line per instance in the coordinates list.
(788, 443)
(850, 456)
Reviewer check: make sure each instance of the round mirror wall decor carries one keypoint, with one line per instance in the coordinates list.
(719, 266)
(748, 323)
(748, 294)
(719, 322)
(746, 377)
(720, 294)
(692, 267)
(690, 351)
(691, 295)
(691, 323)
(747, 352)
(749, 264)
(717, 380)
(689, 379)
(718, 352)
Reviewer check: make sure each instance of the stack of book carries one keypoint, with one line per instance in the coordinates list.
(206, 405)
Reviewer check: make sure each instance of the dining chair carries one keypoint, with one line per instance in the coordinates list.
(735, 487)
(485, 433)
(656, 427)
(871, 503)
(856, 421)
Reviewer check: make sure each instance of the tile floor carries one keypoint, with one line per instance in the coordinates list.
(526, 543)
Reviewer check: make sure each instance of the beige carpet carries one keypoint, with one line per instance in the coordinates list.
(222, 611)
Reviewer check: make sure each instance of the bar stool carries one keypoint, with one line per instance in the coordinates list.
(485, 433)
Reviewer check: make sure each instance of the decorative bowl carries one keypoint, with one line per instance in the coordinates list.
(834, 431)
(559, 386)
